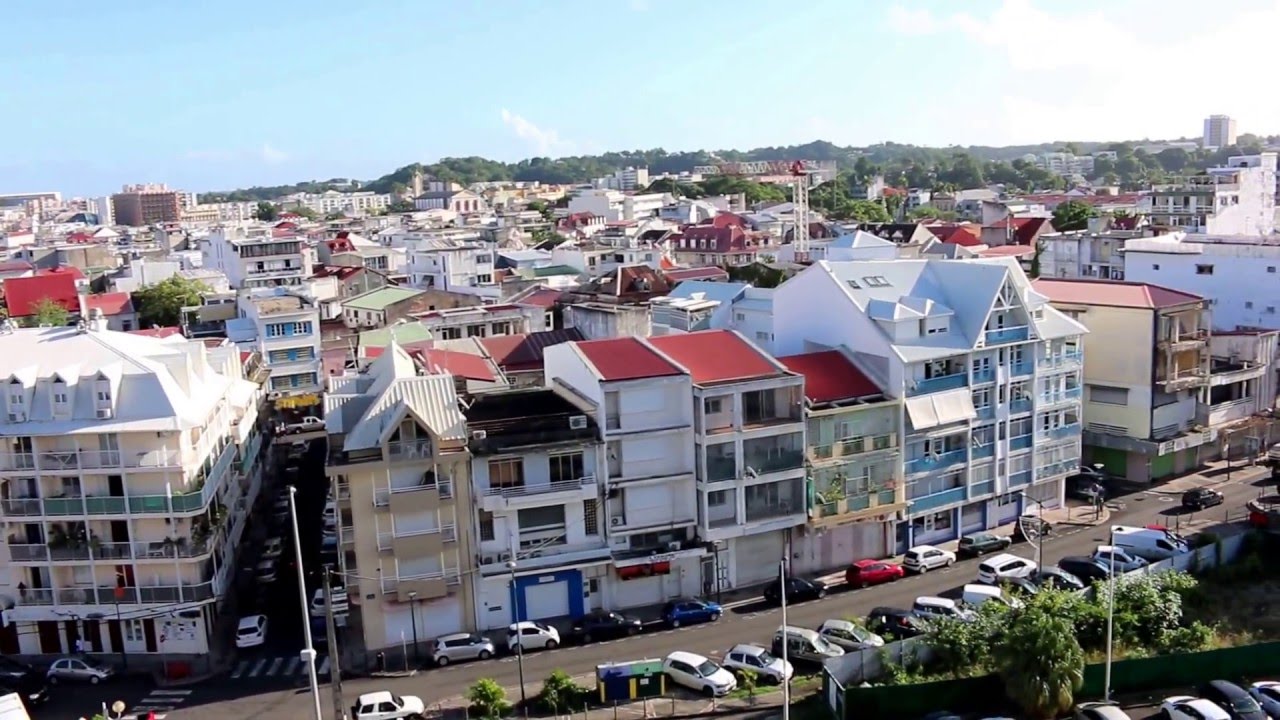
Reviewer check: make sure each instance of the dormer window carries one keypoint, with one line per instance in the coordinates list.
(102, 398)
(61, 397)
(17, 401)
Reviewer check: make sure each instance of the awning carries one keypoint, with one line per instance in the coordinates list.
(942, 408)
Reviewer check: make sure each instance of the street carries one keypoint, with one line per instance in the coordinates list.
(751, 621)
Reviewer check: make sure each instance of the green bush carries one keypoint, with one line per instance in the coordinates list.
(560, 694)
(488, 699)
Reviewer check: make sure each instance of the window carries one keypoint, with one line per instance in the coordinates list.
(740, 317)
(876, 281)
(590, 517)
(762, 336)
(133, 631)
(548, 517)
(719, 498)
(711, 406)
(1204, 269)
(1155, 266)
(506, 473)
(485, 520)
(982, 398)
(1271, 268)
(566, 467)
(450, 333)
(1248, 304)
(1107, 395)
(1271, 309)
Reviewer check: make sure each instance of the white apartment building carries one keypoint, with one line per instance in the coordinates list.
(749, 441)
(615, 206)
(1087, 254)
(988, 372)
(1236, 274)
(1239, 199)
(535, 472)
(332, 201)
(285, 327)
(627, 179)
(486, 321)
(453, 266)
(255, 258)
(1219, 131)
(125, 484)
(643, 406)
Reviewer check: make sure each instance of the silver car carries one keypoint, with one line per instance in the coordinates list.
(460, 646)
(78, 669)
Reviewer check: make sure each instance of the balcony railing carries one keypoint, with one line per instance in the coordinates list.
(1019, 479)
(721, 515)
(385, 540)
(1060, 396)
(1018, 369)
(409, 449)
(543, 488)
(929, 463)
(1061, 467)
(983, 451)
(1022, 442)
(1002, 336)
(721, 468)
(978, 489)
(940, 383)
(767, 511)
(110, 596)
(929, 502)
(984, 375)
(774, 460)
(1020, 405)
(1066, 359)
(1059, 433)
(985, 412)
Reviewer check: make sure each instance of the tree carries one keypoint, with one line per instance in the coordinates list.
(747, 681)
(161, 304)
(929, 212)
(304, 212)
(1173, 159)
(1072, 215)
(1041, 662)
(336, 215)
(488, 698)
(541, 208)
(864, 211)
(400, 206)
(559, 692)
(48, 312)
(266, 212)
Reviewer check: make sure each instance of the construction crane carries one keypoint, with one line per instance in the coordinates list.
(797, 173)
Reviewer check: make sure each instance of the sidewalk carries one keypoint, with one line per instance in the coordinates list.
(1211, 475)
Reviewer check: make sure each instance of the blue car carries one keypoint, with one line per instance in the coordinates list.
(685, 611)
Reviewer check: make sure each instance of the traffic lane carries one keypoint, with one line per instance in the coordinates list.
(85, 700)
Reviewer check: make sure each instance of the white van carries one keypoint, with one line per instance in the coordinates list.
(1149, 543)
(928, 607)
(974, 595)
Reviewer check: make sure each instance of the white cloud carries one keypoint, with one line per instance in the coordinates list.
(271, 155)
(543, 141)
(911, 21)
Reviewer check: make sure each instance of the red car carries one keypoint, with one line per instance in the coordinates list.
(872, 572)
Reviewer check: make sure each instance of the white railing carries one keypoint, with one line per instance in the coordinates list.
(542, 489)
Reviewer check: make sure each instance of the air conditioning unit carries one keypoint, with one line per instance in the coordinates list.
(616, 521)
(479, 434)
(674, 546)
(578, 422)
(17, 417)
(488, 559)
(104, 413)
(504, 557)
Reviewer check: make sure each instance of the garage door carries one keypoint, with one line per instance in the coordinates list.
(637, 592)
(546, 600)
(435, 618)
(1007, 508)
(973, 517)
(756, 557)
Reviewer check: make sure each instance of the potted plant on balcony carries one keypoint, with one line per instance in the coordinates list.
(57, 537)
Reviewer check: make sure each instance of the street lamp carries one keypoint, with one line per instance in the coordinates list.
(413, 618)
(1039, 531)
(515, 615)
(308, 651)
(1111, 613)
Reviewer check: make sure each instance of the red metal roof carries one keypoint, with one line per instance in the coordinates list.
(1008, 251)
(157, 332)
(626, 358)
(9, 266)
(69, 270)
(1115, 293)
(24, 293)
(461, 364)
(1025, 229)
(716, 356)
(543, 297)
(524, 352)
(341, 271)
(965, 235)
(829, 376)
(698, 273)
(116, 303)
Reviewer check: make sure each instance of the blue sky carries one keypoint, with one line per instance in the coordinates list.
(217, 95)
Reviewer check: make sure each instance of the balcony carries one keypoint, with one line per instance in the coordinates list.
(771, 461)
(1059, 397)
(1022, 442)
(984, 375)
(983, 451)
(409, 450)
(979, 489)
(1185, 340)
(507, 435)
(1063, 360)
(937, 500)
(1062, 432)
(932, 463)
(17, 462)
(1003, 336)
(1020, 405)
(384, 540)
(940, 383)
(1020, 479)
(721, 468)
(985, 412)
(1020, 369)
(109, 596)
(1061, 467)
(757, 512)
(1226, 412)
(61, 460)
(548, 493)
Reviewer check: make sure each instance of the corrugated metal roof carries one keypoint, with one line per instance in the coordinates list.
(397, 389)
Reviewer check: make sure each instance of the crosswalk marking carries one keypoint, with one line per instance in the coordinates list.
(286, 666)
(171, 693)
(275, 665)
(257, 667)
(324, 667)
(160, 702)
(292, 667)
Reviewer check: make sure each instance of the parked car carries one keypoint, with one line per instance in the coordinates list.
(804, 645)
(1201, 498)
(1122, 560)
(532, 636)
(309, 423)
(25, 680)
(460, 646)
(78, 669)
(923, 558)
(929, 607)
(689, 610)
(341, 605)
(1033, 525)
(981, 544)
(1237, 701)
(264, 573)
(1004, 566)
(895, 623)
(386, 706)
(604, 625)
(975, 596)
(1086, 569)
(1185, 707)
(252, 631)
(864, 573)
(760, 661)
(1020, 585)
(272, 548)
(1267, 694)
(1152, 544)
(798, 590)
(1056, 578)
(1099, 711)
(699, 674)
(848, 636)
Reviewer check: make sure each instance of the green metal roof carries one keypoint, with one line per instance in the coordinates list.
(550, 270)
(406, 333)
(380, 299)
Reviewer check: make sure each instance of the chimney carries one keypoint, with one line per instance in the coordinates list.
(97, 321)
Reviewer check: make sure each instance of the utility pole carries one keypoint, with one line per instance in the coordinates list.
(786, 639)
(308, 653)
(331, 631)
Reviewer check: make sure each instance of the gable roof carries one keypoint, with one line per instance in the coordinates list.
(397, 390)
(1112, 293)
(23, 294)
(626, 358)
(1025, 229)
(717, 356)
(696, 273)
(537, 296)
(116, 303)
(69, 270)
(380, 299)
(829, 376)
(524, 352)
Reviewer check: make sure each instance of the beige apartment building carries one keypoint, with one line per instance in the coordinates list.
(400, 468)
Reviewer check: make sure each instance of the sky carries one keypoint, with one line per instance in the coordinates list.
(209, 96)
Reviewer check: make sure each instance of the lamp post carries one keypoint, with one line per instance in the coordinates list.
(1111, 614)
(308, 653)
(1039, 531)
(413, 618)
(782, 595)
(515, 615)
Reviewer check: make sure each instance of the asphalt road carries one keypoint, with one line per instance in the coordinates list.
(752, 621)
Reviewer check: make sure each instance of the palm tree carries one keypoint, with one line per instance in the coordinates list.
(1041, 663)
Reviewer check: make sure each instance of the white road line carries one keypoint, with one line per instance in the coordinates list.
(173, 693)
(292, 667)
(244, 665)
(275, 665)
(257, 667)
(324, 667)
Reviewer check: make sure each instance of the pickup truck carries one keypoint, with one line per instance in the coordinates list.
(307, 424)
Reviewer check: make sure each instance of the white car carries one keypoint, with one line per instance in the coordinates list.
(699, 674)
(272, 548)
(265, 572)
(759, 661)
(923, 558)
(252, 631)
(385, 706)
(1185, 707)
(532, 636)
(1005, 565)
(1267, 693)
(849, 636)
(341, 606)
